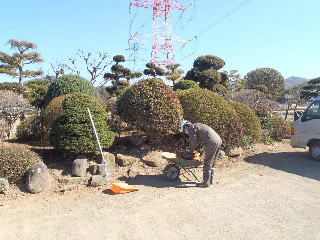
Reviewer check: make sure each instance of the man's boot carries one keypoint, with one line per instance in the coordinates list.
(206, 179)
(211, 178)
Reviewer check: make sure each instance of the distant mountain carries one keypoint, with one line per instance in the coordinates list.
(291, 81)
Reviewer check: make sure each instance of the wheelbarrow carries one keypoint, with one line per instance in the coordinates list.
(178, 165)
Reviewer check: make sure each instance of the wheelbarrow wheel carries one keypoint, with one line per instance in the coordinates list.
(172, 172)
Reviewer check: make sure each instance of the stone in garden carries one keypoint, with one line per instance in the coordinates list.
(97, 181)
(93, 169)
(102, 170)
(74, 180)
(99, 169)
(79, 167)
(123, 160)
(38, 178)
(234, 152)
(110, 158)
(155, 159)
(4, 185)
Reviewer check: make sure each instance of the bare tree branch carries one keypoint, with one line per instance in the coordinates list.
(95, 65)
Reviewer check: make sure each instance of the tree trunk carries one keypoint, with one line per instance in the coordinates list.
(20, 76)
(287, 111)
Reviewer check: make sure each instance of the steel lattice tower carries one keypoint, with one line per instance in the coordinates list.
(162, 37)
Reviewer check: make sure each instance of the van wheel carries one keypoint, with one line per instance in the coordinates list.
(172, 172)
(314, 150)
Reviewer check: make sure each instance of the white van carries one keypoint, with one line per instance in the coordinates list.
(305, 131)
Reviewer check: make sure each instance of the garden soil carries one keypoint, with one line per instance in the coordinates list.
(270, 193)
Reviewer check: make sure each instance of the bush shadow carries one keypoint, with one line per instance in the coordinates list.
(54, 159)
(157, 181)
(298, 163)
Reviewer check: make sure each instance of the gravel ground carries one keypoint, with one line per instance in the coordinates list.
(273, 194)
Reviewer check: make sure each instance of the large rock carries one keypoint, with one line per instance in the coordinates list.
(155, 159)
(4, 185)
(123, 160)
(234, 152)
(79, 167)
(97, 181)
(110, 158)
(38, 178)
(99, 169)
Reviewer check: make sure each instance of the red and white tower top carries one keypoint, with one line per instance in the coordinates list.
(162, 36)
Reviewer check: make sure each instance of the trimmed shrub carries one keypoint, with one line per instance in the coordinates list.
(267, 80)
(276, 127)
(185, 84)
(151, 106)
(72, 130)
(67, 84)
(205, 72)
(220, 89)
(15, 160)
(53, 111)
(250, 122)
(30, 129)
(205, 106)
(209, 62)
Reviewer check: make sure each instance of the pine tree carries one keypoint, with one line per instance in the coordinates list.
(174, 74)
(153, 70)
(311, 90)
(14, 65)
(205, 72)
(119, 76)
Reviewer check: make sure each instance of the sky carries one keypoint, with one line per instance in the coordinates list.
(284, 35)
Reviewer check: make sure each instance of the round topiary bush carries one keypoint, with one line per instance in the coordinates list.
(67, 84)
(250, 122)
(267, 80)
(15, 160)
(72, 130)
(151, 106)
(185, 84)
(208, 62)
(205, 106)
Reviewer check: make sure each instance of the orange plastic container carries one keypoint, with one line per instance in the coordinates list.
(120, 188)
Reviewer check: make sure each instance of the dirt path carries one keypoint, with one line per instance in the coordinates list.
(269, 196)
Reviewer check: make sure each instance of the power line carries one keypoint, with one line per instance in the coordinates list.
(219, 20)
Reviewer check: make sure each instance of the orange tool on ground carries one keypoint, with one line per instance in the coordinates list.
(121, 187)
